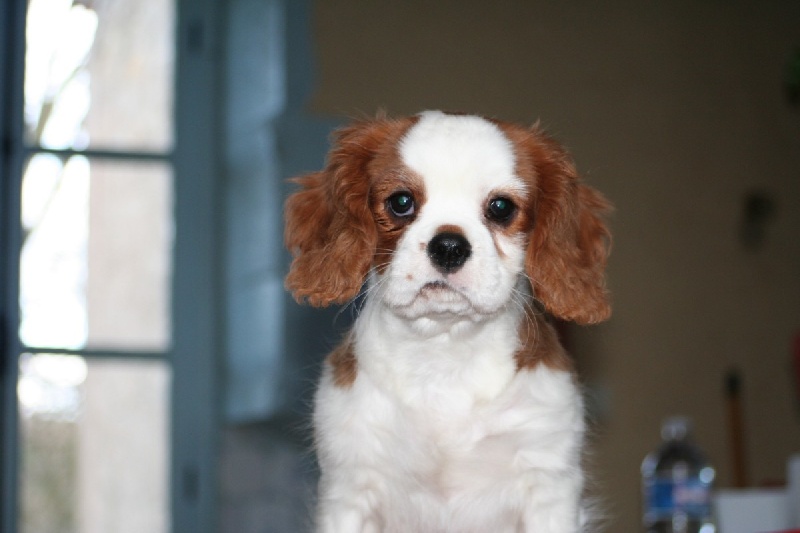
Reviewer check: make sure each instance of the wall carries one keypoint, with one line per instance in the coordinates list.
(675, 110)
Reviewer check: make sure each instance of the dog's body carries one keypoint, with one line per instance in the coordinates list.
(451, 406)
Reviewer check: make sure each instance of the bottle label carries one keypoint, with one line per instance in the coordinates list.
(665, 496)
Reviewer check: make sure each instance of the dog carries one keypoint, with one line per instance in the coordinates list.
(451, 405)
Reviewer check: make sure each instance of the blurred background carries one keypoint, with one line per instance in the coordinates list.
(156, 377)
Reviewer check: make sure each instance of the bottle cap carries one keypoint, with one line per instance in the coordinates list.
(675, 428)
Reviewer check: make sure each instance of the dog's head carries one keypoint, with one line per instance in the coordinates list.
(448, 213)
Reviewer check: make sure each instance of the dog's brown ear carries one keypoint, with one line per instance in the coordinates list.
(570, 242)
(330, 230)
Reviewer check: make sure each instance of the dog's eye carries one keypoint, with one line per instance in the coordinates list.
(401, 204)
(500, 209)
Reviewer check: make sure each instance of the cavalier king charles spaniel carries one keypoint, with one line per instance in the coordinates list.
(450, 406)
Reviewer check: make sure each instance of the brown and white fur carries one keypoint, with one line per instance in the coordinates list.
(450, 406)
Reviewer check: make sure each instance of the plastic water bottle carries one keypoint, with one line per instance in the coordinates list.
(676, 483)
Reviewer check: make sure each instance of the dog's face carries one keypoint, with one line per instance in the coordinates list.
(448, 213)
(458, 205)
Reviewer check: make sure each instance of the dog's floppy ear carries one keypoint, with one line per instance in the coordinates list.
(570, 241)
(330, 230)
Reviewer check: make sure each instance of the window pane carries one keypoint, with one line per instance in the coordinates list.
(96, 259)
(94, 445)
(99, 74)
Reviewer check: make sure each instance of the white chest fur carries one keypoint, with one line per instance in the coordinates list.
(443, 433)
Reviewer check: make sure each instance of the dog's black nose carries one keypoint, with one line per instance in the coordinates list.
(449, 251)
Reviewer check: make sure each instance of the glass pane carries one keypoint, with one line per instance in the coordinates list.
(99, 74)
(96, 257)
(94, 445)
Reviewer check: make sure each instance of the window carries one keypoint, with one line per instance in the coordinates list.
(95, 327)
(95, 265)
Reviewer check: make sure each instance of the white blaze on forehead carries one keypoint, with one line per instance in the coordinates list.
(460, 152)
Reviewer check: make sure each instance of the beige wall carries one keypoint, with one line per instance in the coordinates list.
(675, 110)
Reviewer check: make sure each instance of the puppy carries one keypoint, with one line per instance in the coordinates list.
(450, 406)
